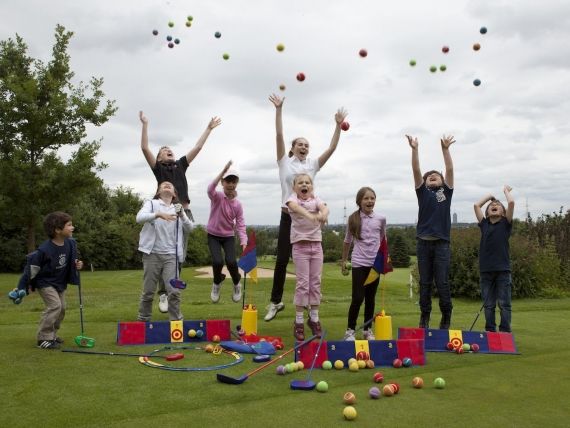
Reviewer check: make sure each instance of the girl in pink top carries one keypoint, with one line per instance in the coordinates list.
(366, 229)
(308, 213)
(226, 216)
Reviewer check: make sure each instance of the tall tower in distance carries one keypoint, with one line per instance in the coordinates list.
(344, 217)
(454, 218)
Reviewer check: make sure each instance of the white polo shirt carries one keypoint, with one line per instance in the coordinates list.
(289, 167)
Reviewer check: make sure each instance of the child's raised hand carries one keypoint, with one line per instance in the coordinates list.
(143, 118)
(340, 115)
(447, 141)
(215, 121)
(230, 162)
(507, 189)
(276, 100)
(412, 141)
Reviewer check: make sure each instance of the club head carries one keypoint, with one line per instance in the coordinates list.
(84, 341)
(177, 283)
(303, 385)
(261, 358)
(230, 380)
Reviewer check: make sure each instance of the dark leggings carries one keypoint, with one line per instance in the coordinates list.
(283, 256)
(215, 244)
(360, 293)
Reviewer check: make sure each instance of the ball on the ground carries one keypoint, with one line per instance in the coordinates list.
(351, 360)
(476, 82)
(282, 87)
(216, 338)
(177, 41)
(361, 364)
(363, 53)
(459, 350)
(378, 377)
(413, 62)
(442, 67)
(387, 391)
(189, 18)
(417, 382)
(353, 367)
(344, 126)
(370, 364)
(433, 69)
(339, 364)
(280, 47)
(439, 383)
(349, 398)
(169, 38)
(445, 49)
(155, 32)
(188, 23)
(450, 346)
(209, 348)
(217, 34)
(300, 365)
(483, 30)
(327, 365)
(374, 393)
(349, 413)
(397, 363)
(280, 370)
(475, 347)
(407, 362)
(290, 367)
(170, 45)
(322, 386)
(226, 56)
(199, 333)
(466, 347)
(191, 333)
(396, 387)
(476, 46)
(300, 77)
(362, 355)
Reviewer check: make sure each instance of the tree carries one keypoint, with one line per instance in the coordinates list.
(399, 252)
(40, 112)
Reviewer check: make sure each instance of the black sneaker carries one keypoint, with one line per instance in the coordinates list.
(48, 344)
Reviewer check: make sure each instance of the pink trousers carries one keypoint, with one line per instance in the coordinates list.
(308, 258)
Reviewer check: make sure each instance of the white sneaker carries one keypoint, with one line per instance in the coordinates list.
(273, 309)
(368, 335)
(236, 296)
(163, 303)
(349, 335)
(215, 294)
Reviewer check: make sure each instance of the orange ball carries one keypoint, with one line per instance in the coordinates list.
(349, 398)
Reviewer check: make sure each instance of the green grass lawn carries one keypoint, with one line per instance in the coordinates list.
(56, 389)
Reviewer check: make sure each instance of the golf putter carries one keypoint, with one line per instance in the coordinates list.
(177, 282)
(308, 384)
(82, 340)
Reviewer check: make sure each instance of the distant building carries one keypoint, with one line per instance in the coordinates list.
(454, 218)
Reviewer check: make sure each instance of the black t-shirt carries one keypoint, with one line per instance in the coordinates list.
(59, 262)
(434, 218)
(174, 172)
(494, 247)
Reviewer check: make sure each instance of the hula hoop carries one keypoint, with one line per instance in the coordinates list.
(156, 365)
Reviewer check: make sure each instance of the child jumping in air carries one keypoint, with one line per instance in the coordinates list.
(433, 230)
(50, 268)
(365, 229)
(160, 242)
(226, 216)
(308, 213)
(165, 167)
(494, 259)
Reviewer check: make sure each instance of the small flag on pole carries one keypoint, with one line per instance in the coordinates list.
(382, 263)
(248, 259)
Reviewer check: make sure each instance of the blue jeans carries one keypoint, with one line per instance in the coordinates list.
(496, 288)
(433, 264)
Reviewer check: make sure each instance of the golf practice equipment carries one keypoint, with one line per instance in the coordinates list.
(308, 384)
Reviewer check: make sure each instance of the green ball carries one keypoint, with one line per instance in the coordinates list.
(413, 62)
(327, 365)
(290, 367)
(322, 386)
(442, 67)
(439, 383)
(226, 56)
(190, 18)
(466, 347)
(433, 69)
(171, 24)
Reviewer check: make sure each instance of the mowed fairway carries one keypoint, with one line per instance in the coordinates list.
(57, 389)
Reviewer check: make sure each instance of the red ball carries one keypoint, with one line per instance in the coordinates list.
(378, 377)
(395, 387)
(476, 46)
(397, 363)
(459, 350)
(445, 49)
(363, 53)
(300, 77)
(450, 346)
(475, 347)
(344, 126)
(362, 355)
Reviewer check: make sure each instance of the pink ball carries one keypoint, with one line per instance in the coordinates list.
(397, 363)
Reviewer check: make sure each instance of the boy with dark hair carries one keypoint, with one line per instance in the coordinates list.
(49, 269)
(434, 192)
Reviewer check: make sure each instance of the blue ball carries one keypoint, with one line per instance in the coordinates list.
(476, 82)
(155, 32)
(407, 362)
(177, 41)
(217, 34)
(169, 38)
(483, 30)
(199, 333)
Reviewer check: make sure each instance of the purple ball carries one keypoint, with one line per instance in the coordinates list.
(280, 370)
(170, 45)
(374, 393)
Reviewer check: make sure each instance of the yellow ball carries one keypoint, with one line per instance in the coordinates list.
(338, 364)
(280, 47)
(351, 360)
(191, 333)
(300, 365)
(349, 413)
(353, 367)
(361, 364)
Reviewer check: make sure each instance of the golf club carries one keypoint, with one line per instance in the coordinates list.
(307, 384)
(82, 340)
(364, 325)
(238, 381)
(177, 282)
(259, 358)
(170, 357)
(491, 291)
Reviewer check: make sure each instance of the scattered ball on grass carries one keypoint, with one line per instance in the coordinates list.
(417, 382)
(374, 393)
(322, 386)
(439, 383)
(327, 365)
(349, 398)
(349, 413)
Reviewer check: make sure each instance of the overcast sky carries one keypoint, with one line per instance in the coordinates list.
(514, 128)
